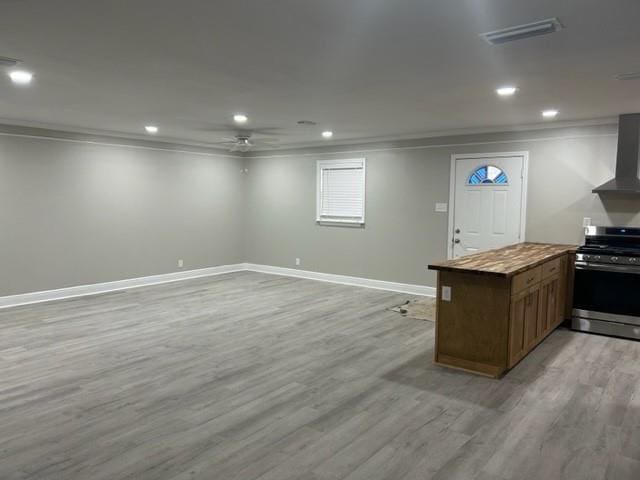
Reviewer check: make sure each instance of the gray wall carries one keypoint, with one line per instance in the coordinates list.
(74, 213)
(404, 181)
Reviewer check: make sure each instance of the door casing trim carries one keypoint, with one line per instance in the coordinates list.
(452, 190)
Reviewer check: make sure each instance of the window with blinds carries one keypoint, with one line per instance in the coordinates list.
(341, 191)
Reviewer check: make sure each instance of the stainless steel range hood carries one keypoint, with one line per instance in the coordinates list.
(628, 161)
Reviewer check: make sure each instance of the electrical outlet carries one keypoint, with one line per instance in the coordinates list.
(442, 207)
(297, 261)
(180, 263)
(446, 294)
(586, 222)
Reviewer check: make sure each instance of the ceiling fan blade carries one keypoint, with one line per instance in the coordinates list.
(241, 130)
(268, 131)
(240, 148)
(266, 143)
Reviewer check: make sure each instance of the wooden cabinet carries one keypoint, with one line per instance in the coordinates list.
(536, 311)
(526, 279)
(550, 311)
(516, 331)
(525, 322)
(552, 268)
(531, 318)
(542, 309)
(493, 322)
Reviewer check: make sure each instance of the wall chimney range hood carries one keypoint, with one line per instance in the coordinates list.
(626, 180)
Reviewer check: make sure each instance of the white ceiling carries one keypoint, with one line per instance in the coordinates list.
(364, 68)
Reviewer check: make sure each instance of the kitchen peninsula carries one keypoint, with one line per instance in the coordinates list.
(494, 307)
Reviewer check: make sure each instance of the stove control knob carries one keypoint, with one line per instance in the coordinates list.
(633, 260)
(597, 257)
(614, 259)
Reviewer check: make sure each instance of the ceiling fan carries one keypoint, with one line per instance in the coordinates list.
(244, 141)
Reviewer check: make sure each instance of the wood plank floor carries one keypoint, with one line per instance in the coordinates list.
(250, 376)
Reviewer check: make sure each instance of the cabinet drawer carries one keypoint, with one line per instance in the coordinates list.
(525, 280)
(551, 268)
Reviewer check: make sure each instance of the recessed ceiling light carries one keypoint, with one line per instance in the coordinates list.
(240, 118)
(327, 134)
(551, 113)
(21, 77)
(152, 129)
(506, 91)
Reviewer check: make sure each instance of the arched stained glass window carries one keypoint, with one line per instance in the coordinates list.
(488, 174)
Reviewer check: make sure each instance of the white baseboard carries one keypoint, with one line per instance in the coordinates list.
(345, 280)
(97, 288)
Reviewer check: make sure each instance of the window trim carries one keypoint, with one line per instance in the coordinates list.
(490, 182)
(336, 163)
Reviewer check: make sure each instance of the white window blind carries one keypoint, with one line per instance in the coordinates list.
(341, 191)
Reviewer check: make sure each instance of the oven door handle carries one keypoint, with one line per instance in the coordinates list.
(608, 268)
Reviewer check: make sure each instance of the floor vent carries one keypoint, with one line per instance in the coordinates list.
(519, 32)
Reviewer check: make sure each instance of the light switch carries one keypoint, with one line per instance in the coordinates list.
(441, 207)
(446, 294)
(586, 222)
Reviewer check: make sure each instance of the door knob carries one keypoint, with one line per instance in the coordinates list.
(457, 230)
(456, 240)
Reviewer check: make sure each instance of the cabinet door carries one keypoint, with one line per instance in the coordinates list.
(531, 317)
(549, 312)
(555, 309)
(565, 296)
(543, 310)
(516, 327)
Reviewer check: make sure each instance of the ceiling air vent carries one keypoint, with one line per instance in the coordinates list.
(628, 76)
(8, 62)
(519, 32)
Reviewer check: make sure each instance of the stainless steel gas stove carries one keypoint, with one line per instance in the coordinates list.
(607, 282)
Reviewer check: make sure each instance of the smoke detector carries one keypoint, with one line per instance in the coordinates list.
(520, 32)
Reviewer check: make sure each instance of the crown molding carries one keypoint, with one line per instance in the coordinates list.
(45, 130)
(105, 137)
(365, 141)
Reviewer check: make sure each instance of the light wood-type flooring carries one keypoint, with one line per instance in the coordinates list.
(252, 376)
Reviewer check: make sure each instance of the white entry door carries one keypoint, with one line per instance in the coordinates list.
(488, 203)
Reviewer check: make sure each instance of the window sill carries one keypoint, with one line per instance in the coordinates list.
(340, 223)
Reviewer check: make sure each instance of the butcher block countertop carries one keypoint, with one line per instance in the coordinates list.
(506, 261)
